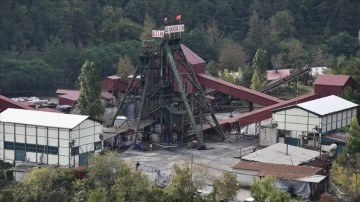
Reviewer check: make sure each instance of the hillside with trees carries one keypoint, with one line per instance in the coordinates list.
(43, 44)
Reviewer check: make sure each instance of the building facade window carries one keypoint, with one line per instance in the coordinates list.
(31, 148)
(98, 145)
(9, 145)
(74, 151)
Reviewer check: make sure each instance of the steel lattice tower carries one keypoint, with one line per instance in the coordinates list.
(162, 91)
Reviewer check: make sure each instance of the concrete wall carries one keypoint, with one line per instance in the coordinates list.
(246, 177)
(296, 119)
(268, 136)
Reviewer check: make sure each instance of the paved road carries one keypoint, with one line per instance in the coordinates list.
(217, 158)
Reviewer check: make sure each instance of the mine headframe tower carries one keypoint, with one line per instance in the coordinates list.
(163, 92)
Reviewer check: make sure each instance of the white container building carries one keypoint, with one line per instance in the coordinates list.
(48, 137)
(314, 117)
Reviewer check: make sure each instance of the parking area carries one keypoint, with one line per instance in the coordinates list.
(219, 157)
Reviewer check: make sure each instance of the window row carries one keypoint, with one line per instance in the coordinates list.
(76, 150)
(31, 148)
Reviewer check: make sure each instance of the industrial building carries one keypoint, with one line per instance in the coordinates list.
(327, 84)
(304, 123)
(306, 179)
(48, 138)
(292, 167)
(114, 84)
(6, 103)
(70, 96)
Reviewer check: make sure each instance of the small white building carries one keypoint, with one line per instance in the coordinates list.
(314, 117)
(48, 137)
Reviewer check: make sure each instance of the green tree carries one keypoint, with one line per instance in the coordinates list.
(97, 195)
(226, 186)
(104, 169)
(343, 44)
(110, 28)
(113, 174)
(318, 58)
(64, 57)
(351, 67)
(351, 95)
(281, 25)
(136, 184)
(256, 82)
(198, 42)
(125, 67)
(345, 169)
(180, 187)
(232, 56)
(353, 146)
(246, 77)
(265, 190)
(232, 77)
(261, 63)
(344, 173)
(211, 68)
(294, 54)
(23, 75)
(3, 167)
(149, 25)
(213, 31)
(49, 182)
(89, 102)
(256, 33)
(186, 180)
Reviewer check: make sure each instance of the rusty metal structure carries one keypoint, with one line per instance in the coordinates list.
(162, 78)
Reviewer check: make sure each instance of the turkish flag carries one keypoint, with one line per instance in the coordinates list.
(178, 17)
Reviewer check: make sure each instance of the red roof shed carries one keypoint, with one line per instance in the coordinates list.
(281, 171)
(326, 85)
(6, 103)
(70, 97)
(114, 83)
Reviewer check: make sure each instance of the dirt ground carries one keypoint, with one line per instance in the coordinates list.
(219, 157)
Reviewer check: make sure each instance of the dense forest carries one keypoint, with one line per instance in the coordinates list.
(44, 43)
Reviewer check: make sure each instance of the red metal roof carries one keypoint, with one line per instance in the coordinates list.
(261, 114)
(74, 94)
(279, 170)
(279, 74)
(191, 57)
(237, 91)
(331, 80)
(6, 102)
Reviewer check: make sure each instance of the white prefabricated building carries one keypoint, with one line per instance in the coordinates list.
(317, 116)
(48, 137)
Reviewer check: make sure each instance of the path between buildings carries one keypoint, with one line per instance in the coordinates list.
(218, 157)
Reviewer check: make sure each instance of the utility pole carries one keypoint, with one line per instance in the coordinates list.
(356, 184)
(191, 180)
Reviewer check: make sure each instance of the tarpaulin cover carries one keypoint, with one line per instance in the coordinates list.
(299, 188)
